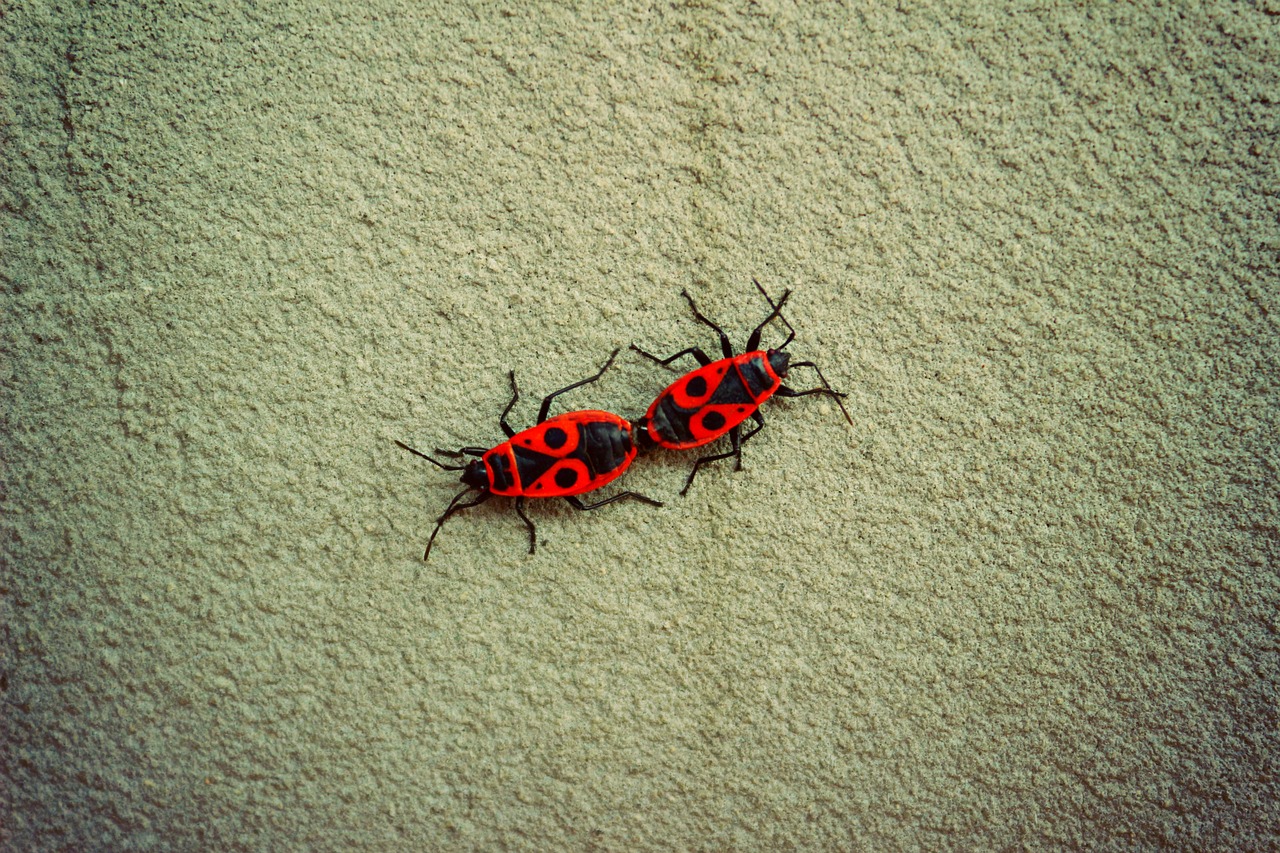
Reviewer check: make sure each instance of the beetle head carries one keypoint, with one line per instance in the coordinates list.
(476, 475)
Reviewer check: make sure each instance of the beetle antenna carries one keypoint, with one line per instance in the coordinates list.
(835, 395)
(434, 462)
(777, 311)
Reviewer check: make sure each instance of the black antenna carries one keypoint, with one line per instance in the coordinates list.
(836, 395)
(777, 312)
(434, 462)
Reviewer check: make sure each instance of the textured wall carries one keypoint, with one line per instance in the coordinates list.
(1030, 598)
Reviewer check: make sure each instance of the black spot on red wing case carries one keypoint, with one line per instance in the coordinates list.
(555, 438)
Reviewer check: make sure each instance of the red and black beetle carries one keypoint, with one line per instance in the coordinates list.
(560, 457)
(715, 399)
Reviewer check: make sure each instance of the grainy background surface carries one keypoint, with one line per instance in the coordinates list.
(1030, 599)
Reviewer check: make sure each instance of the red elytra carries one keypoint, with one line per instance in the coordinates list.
(566, 455)
(560, 457)
(715, 399)
(706, 403)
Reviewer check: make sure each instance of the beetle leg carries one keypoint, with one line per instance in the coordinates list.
(724, 339)
(735, 436)
(759, 419)
(576, 502)
(546, 401)
(696, 352)
(533, 537)
(453, 508)
(515, 395)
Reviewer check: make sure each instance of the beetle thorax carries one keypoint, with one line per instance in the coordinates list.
(779, 360)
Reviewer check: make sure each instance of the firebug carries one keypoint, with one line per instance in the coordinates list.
(715, 399)
(559, 457)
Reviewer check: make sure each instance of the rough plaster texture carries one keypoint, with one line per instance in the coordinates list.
(1030, 599)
